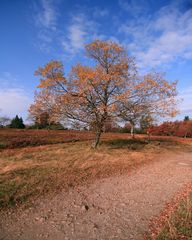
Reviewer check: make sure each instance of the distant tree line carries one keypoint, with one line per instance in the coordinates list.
(16, 122)
(42, 121)
(146, 125)
(177, 128)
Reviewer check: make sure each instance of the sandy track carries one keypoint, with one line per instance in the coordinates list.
(112, 208)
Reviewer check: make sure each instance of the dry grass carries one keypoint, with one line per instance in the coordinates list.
(33, 171)
(179, 224)
(16, 138)
(28, 172)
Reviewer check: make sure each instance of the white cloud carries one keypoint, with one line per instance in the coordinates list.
(80, 28)
(47, 15)
(14, 101)
(161, 39)
(77, 32)
(80, 31)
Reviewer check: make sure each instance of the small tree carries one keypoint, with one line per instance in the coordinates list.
(186, 118)
(127, 128)
(186, 128)
(148, 95)
(43, 112)
(146, 122)
(43, 120)
(17, 122)
(110, 125)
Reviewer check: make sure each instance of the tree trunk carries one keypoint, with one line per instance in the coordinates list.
(149, 137)
(49, 124)
(185, 136)
(97, 139)
(132, 131)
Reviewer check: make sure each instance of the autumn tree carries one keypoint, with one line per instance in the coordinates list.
(177, 128)
(108, 88)
(89, 95)
(127, 128)
(110, 125)
(185, 128)
(146, 122)
(148, 95)
(131, 112)
(42, 111)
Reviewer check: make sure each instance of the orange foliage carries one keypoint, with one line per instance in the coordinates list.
(177, 128)
(110, 88)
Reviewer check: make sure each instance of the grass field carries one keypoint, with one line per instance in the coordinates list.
(34, 171)
(16, 138)
(38, 164)
(32, 164)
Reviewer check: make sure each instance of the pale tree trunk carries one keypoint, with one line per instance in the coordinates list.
(132, 131)
(49, 124)
(185, 136)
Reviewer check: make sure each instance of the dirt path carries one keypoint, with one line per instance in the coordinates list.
(113, 208)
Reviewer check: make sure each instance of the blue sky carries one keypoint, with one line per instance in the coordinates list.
(157, 33)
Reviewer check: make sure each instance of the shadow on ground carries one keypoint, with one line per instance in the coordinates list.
(132, 144)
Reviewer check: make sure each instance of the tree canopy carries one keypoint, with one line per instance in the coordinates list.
(109, 88)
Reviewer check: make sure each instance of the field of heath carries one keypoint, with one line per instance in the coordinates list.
(46, 167)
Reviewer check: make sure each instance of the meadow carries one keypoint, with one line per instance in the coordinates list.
(40, 163)
(34, 162)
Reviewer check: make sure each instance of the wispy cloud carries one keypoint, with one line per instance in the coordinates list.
(162, 38)
(156, 39)
(46, 15)
(70, 36)
(80, 30)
